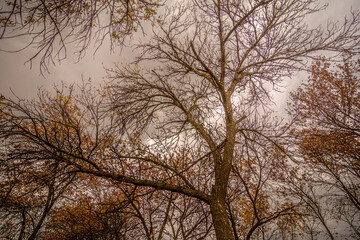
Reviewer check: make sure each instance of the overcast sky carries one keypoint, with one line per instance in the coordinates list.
(24, 81)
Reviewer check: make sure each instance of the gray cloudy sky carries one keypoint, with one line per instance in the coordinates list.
(24, 81)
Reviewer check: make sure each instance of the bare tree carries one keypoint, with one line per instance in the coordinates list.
(215, 64)
(218, 62)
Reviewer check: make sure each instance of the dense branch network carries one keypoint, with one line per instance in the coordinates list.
(191, 116)
(52, 26)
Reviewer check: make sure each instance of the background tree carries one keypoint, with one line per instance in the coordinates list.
(98, 211)
(259, 204)
(316, 213)
(166, 215)
(327, 114)
(30, 189)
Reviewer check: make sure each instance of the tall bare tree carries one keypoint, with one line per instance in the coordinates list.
(218, 62)
(214, 65)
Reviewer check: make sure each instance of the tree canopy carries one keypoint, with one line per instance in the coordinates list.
(185, 135)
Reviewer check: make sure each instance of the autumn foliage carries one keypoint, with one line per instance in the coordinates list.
(327, 116)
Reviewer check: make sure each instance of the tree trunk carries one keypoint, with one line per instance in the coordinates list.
(220, 218)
